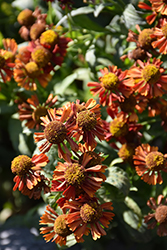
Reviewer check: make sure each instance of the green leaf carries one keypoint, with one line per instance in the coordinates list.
(60, 87)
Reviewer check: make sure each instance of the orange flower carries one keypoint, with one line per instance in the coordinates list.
(148, 78)
(6, 66)
(32, 110)
(56, 227)
(161, 37)
(158, 217)
(27, 74)
(56, 131)
(151, 18)
(88, 122)
(27, 170)
(10, 46)
(111, 85)
(149, 162)
(159, 6)
(88, 215)
(78, 177)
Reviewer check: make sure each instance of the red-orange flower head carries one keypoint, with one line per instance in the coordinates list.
(160, 34)
(150, 18)
(49, 39)
(41, 56)
(27, 170)
(159, 215)
(159, 6)
(149, 162)
(119, 126)
(56, 228)
(111, 85)
(6, 66)
(148, 78)
(85, 215)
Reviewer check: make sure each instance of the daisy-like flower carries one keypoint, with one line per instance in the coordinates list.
(56, 130)
(159, 6)
(27, 170)
(111, 85)
(10, 46)
(149, 163)
(32, 110)
(150, 18)
(161, 37)
(88, 122)
(78, 177)
(159, 216)
(126, 152)
(147, 78)
(27, 74)
(56, 228)
(87, 214)
(6, 66)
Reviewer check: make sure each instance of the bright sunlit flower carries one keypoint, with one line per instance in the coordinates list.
(6, 66)
(160, 34)
(149, 163)
(159, 6)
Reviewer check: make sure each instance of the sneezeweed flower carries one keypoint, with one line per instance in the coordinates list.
(150, 18)
(88, 215)
(111, 85)
(26, 18)
(126, 152)
(88, 122)
(159, 216)
(27, 75)
(27, 170)
(10, 46)
(41, 56)
(32, 110)
(56, 132)
(6, 66)
(147, 78)
(56, 228)
(159, 6)
(77, 177)
(160, 33)
(149, 163)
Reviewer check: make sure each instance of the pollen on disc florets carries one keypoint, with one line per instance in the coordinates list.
(55, 132)
(21, 165)
(96, 159)
(110, 81)
(49, 38)
(118, 127)
(164, 30)
(151, 74)
(9, 54)
(39, 112)
(26, 18)
(126, 152)
(2, 61)
(75, 174)
(41, 56)
(155, 160)
(87, 120)
(32, 69)
(90, 212)
(60, 226)
(145, 39)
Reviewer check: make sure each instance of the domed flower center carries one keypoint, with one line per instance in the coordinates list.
(87, 120)
(96, 159)
(161, 214)
(126, 152)
(39, 112)
(36, 30)
(48, 39)
(26, 18)
(32, 69)
(155, 161)
(90, 212)
(21, 165)
(9, 54)
(144, 38)
(41, 56)
(55, 132)
(80, 108)
(75, 174)
(2, 61)
(164, 30)
(118, 127)
(110, 81)
(128, 104)
(60, 226)
(151, 74)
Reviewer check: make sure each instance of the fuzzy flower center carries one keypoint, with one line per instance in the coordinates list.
(21, 165)
(110, 81)
(32, 69)
(96, 159)
(118, 127)
(126, 152)
(39, 112)
(90, 212)
(145, 39)
(87, 120)
(49, 38)
(128, 104)
(55, 132)
(75, 174)
(9, 54)
(2, 61)
(60, 226)
(155, 161)
(164, 30)
(161, 214)
(41, 56)
(26, 18)
(151, 74)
